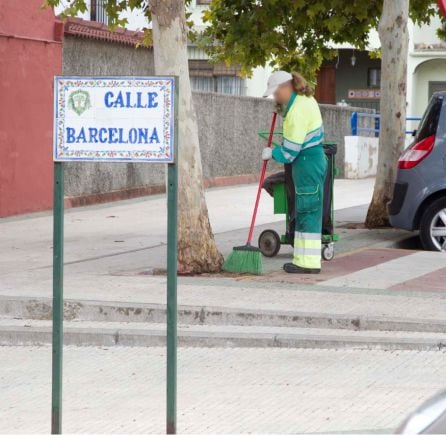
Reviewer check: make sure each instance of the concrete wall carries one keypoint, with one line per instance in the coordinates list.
(230, 145)
(90, 57)
(228, 126)
(361, 157)
(84, 56)
(228, 129)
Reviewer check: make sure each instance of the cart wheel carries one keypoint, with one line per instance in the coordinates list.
(328, 252)
(269, 243)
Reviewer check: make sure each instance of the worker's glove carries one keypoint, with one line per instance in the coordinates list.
(267, 153)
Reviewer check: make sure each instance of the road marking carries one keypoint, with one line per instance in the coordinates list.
(390, 273)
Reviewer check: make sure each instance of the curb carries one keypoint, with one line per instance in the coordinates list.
(36, 336)
(40, 309)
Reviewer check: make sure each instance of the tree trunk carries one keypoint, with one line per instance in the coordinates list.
(394, 46)
(197, 251)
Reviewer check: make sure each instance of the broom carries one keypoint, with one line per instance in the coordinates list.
(248, 258)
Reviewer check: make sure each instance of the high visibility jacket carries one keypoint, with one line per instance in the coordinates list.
(302, 128)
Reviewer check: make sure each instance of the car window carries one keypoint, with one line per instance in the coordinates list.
(429, 123)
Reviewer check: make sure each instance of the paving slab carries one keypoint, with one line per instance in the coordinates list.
(433, 281)
(390, 273)
(122, 390)
(376, 268)
(345, 265)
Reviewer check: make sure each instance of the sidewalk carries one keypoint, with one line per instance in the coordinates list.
(128, 236)
(111, 250)
(122, 390)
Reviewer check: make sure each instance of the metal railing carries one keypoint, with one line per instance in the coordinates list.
(98, 12)
(356, 129)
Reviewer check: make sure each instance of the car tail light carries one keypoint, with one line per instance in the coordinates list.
(416, 153)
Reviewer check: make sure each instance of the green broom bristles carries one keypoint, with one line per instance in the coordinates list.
(244, 259)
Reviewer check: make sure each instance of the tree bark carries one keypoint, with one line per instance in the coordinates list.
(394, 51)
(197, 250)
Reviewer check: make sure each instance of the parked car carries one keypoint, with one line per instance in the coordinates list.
(419, 198)
(429, 418)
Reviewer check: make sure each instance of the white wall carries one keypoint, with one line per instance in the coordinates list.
(65, 3)
(427, 33)
(426, 63)
(256, 84)
(429, 71)
(373, 43)
(136, 18)
(196, 14)
(361, 157)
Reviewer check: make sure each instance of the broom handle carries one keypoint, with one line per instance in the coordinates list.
(262, 179)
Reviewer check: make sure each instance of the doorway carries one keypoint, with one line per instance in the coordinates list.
(325, 92)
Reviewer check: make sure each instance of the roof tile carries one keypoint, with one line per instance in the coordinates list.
(95, 30)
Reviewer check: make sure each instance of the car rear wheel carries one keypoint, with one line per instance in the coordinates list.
(433, 226)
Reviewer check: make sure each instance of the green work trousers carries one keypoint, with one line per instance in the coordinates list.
(309, 170)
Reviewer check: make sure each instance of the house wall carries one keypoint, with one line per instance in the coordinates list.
(354, 77)
(30, 56)
(423, 67)
(426, 62)
(429, 71)
(426, 33)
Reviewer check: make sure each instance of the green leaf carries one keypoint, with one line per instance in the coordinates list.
(292, 34)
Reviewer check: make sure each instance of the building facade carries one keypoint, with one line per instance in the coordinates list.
(30, 56)
(351, 78)
(426, 68)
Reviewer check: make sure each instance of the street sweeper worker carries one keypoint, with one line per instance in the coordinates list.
(302, 147)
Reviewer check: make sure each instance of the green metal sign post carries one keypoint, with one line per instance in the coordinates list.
(171, 312)
(58, 220)
(80, 95)
(172, 262)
